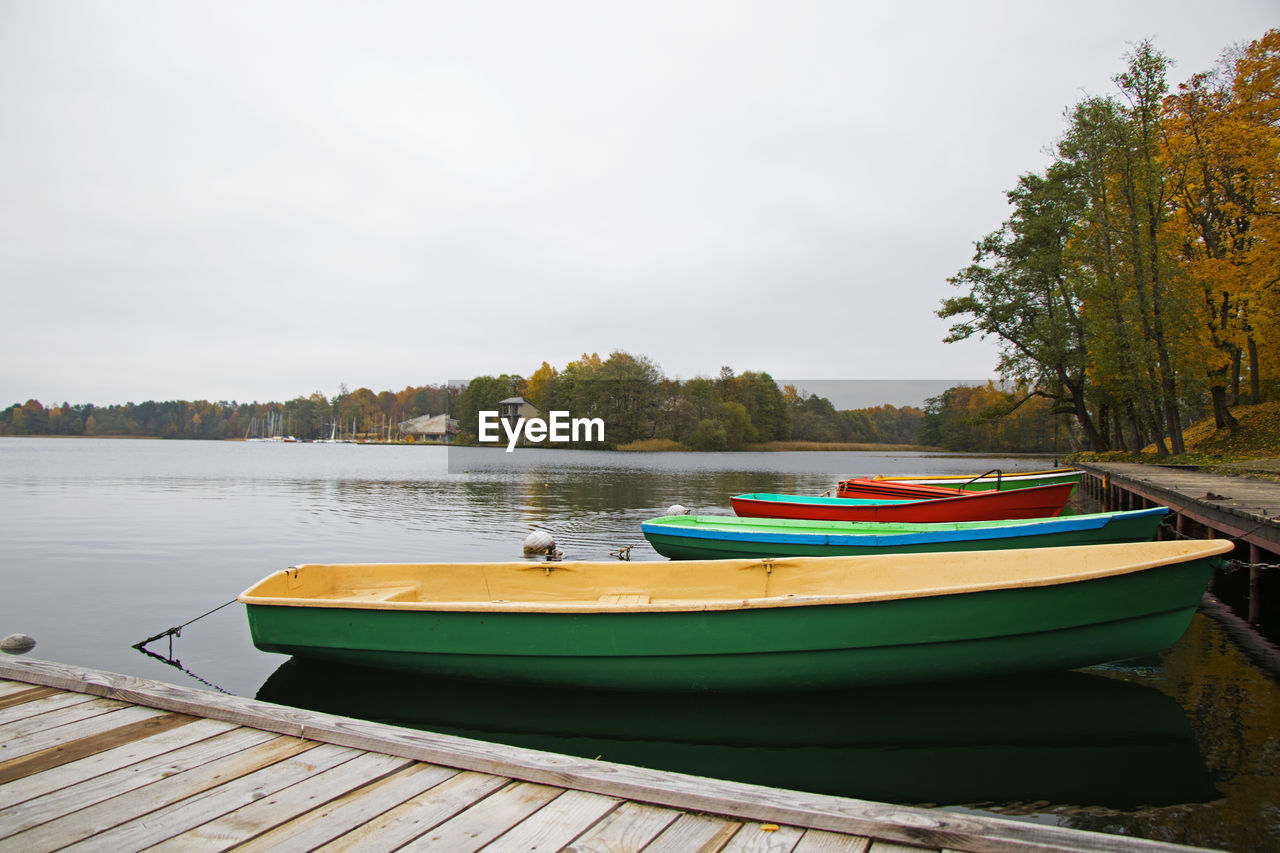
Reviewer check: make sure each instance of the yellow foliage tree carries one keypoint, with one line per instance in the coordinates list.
(1222, 150)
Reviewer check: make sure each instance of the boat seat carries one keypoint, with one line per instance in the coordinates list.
(625, 598)
(386, 593)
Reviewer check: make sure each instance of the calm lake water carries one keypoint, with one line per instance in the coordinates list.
(104, 543)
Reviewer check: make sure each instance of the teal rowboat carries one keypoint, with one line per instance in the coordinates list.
(774, 624)
(709, 537)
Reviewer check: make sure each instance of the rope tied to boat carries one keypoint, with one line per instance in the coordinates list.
(176, 631)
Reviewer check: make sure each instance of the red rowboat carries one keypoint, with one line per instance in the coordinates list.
(1036, 502)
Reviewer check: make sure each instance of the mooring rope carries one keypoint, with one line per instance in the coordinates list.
(178, 665)
(176, 631)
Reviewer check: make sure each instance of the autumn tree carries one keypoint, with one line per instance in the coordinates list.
(1145, 188)
(1132, 279)
(482, 394)
(1018, 289)
(540, 386)
(1253, 143)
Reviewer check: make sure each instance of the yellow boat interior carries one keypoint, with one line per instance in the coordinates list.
(707, 584)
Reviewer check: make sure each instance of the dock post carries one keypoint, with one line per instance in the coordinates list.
(1255, 581)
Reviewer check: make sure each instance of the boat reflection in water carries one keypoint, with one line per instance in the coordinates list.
(1065, 738)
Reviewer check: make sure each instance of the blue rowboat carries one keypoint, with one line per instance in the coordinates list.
(700, 537)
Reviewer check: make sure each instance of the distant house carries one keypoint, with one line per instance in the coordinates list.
(514, 408)
(517, 407)
(430, 428)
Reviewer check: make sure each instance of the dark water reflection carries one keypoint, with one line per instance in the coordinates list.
(104, 543)
(1068, 737)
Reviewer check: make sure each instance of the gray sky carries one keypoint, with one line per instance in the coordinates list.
(258, 200)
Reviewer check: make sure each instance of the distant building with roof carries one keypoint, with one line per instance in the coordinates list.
(514, 408)
(430, 428)
(517, 407)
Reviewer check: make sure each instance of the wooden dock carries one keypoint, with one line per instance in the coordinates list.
(1208, 506)
(1240, 508)
(91, 760)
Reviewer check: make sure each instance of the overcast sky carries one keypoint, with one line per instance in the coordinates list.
(258, 200)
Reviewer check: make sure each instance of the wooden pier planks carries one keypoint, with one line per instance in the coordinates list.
(215, 772)
(1239, 507)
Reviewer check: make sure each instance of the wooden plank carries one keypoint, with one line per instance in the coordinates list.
(268, 812)
(62, 738)
(1247, 510)
(817, 841)
(60, 717)
(153, 826)
(56, 831)
(102, 763)
(7, 687)
(38, 702)
(627, 828)
(26, 693)
(694, 832)
(764, 838)
(905, 824)
(349, 811)
(476, 826)
(393, 828)
(557, 823)
(87, 746)
(891, 847)
(17, 818)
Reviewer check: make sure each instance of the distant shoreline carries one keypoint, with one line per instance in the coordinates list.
(766, 447)
(665, 446)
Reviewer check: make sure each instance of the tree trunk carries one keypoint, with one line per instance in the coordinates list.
(1168, 380)
(1096, 439)
(1135, 429)
(1222, 417)
(1255, 378)
(1157, 429)
(1235, 376)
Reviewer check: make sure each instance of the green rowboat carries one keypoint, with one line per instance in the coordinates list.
(774, 624)
(993, 479)
(709, 537)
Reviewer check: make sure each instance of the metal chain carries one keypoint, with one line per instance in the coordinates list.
(1237, 565)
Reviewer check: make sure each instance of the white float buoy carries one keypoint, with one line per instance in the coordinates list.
(539, 542)
(16, 644)
(677, 509)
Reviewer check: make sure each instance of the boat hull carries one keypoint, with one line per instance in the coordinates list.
(712, 537)
(1036, 502)
(925, 637)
